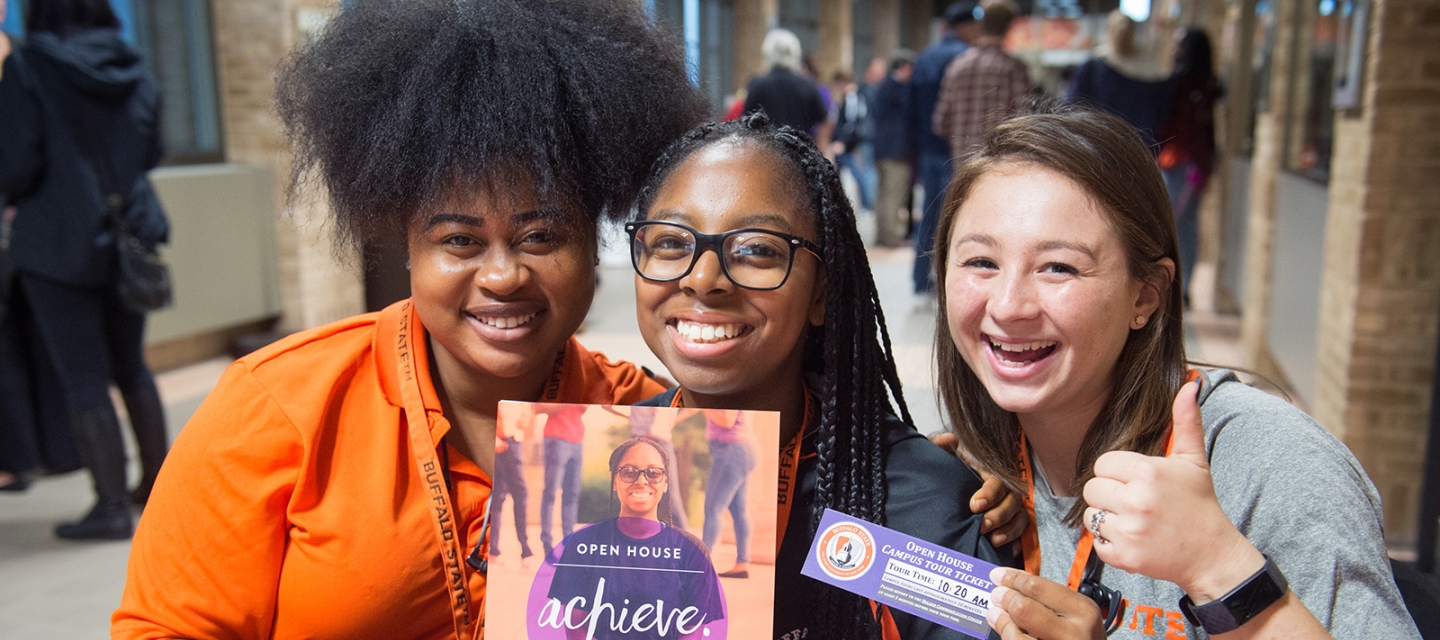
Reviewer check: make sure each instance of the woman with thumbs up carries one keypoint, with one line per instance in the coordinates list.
(1062, 369)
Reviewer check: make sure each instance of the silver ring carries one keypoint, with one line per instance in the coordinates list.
(1095, 521)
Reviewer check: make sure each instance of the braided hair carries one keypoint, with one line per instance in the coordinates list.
(850, 354)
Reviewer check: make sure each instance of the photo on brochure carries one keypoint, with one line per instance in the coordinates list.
(632, 522)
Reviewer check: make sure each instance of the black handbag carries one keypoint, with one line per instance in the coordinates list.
(143, 279)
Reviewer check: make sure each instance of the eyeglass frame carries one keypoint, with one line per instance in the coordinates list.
(716, 242)
(664, 474)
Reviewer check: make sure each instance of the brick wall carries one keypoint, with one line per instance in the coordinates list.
(250, 40)
(1381, 297)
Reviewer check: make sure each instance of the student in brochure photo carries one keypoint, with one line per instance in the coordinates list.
(754, 290)
(642, 557)
(1062, 368)
(334, 484)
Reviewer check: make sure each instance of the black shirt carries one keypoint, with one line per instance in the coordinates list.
(788, 98)
(928, 497)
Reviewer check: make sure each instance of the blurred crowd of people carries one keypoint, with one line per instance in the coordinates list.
(914, 118)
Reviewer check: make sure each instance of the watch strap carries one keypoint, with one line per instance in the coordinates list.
(1229, 612)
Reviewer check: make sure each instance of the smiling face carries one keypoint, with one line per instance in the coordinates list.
(1039, 295)
(500, 284)
(726, 345)
(641, 498)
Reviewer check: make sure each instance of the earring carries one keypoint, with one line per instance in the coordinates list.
(1139, 322)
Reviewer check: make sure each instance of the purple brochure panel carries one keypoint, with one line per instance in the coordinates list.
(900, 571)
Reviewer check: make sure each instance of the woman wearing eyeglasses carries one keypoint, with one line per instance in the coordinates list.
(641, 558)
(754, 290)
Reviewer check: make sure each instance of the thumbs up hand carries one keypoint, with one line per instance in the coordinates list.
(1161, 517)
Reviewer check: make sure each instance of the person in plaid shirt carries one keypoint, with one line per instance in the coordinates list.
(982, 86)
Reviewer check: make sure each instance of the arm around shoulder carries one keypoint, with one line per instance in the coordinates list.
(207, 554)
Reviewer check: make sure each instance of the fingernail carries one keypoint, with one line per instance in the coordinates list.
(992, 614)
(997, 575)
(985, 524)
(997, 596)
(998, 539)
(981, 504)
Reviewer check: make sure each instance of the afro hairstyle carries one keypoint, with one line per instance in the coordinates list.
(397, 106)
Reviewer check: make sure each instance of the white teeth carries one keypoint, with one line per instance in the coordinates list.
(507, 322)
(697, 332)
(1024, 346)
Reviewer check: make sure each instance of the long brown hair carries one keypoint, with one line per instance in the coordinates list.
(1106, 157)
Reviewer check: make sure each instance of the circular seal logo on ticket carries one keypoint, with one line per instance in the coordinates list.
(846, 551)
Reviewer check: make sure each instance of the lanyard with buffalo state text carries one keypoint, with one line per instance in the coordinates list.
(432, 473)
(789, 463)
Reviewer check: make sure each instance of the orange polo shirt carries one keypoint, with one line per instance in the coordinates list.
(291, 505)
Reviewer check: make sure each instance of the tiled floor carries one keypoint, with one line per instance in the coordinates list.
(54, 589)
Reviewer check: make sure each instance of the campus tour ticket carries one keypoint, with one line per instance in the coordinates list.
(924, 579)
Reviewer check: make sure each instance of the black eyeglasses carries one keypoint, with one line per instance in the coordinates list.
(629, 474)
(757, 259)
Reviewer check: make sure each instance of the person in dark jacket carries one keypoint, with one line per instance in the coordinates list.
(892, 149)
(935, 168)
(1122, 81)
(82, 123)
(785, 95)
(1187, 143)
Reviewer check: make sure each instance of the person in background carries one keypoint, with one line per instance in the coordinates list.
(783, 93)
(1122, 81)
(494, 136)
(935, 165)
(59, 177)
(854, 128)
(893, 150)
(1187, 142)
(982, 86)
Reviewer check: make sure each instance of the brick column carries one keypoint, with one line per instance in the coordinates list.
(1267, 163)
(916, 24)
(1380, 301)
(837, 44)
(887, 28)
(251, 38)
(753, 19)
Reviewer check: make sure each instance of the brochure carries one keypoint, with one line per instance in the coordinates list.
(628, 522)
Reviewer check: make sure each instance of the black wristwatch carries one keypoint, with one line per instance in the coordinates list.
(1244, 602)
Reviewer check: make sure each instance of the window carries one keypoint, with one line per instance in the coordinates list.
(174, 36)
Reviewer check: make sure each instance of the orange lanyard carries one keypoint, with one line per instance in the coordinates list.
(789, 463)
(1030, 539)
(432, 473)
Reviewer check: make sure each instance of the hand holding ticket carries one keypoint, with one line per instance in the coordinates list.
(903, 572)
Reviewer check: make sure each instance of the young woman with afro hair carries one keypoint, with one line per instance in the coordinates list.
(335, 484)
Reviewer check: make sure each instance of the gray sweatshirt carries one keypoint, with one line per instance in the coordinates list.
(1296, 493)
